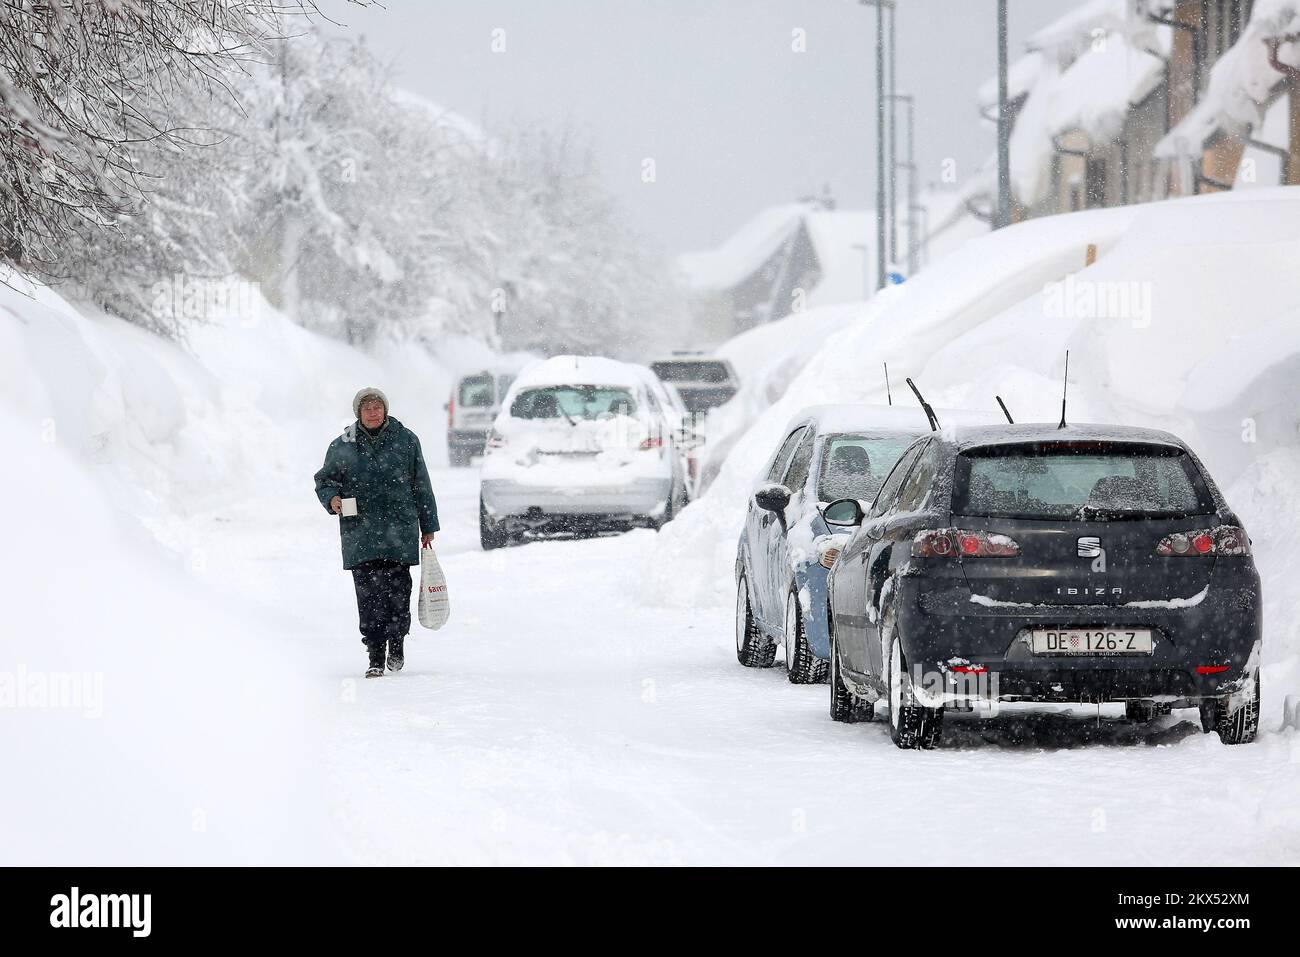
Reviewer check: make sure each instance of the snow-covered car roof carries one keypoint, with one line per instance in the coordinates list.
(1008, 434)
(580, 370)
(832, 419)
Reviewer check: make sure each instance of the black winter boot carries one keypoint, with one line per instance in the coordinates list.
(396, 653)
(376, 669)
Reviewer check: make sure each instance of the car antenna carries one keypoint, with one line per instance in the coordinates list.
(1004, 409)
(887, 392)
(1064, 387)
(929, 412)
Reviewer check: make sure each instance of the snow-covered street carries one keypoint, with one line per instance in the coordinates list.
(556, 719)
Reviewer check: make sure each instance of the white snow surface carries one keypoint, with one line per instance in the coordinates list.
(583, 705)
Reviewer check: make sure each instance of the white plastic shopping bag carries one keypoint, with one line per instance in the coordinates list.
(434, 606)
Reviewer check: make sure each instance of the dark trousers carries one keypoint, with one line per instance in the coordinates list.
(383, 601)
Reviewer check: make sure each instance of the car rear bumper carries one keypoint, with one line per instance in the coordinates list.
(636, 499)
(944, 634)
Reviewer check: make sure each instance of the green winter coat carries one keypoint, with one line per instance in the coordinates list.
(387, 476)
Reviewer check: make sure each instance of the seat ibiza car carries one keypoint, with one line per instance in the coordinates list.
(1037, 563)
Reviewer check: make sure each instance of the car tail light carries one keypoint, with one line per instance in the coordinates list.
(961, 543)
(1221, 540)
(1212, 669)
(654, 442)
(451, 410)
(827, 554)
(495, 441)
(969, 669)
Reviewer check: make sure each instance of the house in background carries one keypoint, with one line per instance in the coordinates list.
(1127, 101)
(786, 259)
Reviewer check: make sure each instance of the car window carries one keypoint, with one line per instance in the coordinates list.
(1079, 480)
(889, 491)
(916, 488)
(796, 474)
(476, 392)
(854, 465)
(783, 454)
(692, 371)
(572, 402)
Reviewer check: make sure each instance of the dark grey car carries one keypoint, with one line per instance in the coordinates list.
(1036, 563)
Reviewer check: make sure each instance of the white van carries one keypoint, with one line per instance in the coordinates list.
(475, 401)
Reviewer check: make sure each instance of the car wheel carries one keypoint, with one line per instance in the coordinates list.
(490, 535)
(845, 705)
(1235, 717)
(911, 725)
(801, 665)
(753, 649)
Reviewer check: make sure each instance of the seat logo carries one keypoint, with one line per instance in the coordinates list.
(1089, 546)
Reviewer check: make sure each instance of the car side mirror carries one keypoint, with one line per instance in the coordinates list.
(844, 512)
(773, 497)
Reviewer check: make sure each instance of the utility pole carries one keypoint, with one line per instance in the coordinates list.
(881, 174)
(1002, 216)
(893, 152)
(910, 166)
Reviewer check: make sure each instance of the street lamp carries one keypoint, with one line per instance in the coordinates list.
(882, 209)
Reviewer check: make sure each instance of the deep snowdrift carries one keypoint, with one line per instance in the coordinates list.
(150, 717)
(1188, 321)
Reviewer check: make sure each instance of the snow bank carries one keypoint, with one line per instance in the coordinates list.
(154, 718)
(1185, 322)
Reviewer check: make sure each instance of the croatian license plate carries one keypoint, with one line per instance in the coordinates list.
(1088, 641)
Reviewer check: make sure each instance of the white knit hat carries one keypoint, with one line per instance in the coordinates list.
(370, 392)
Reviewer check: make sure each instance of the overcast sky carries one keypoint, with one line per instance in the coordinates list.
(712, 90)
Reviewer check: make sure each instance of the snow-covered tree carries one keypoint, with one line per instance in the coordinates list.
(81, 86)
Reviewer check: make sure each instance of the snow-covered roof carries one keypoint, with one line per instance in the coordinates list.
(744, 250)
(1242, 81)
(1066, 33)
(578, 370)
(1096, 92)
(838, 238)
(1021, 77)
(906, 416)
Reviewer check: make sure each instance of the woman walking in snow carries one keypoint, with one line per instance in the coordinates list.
(374, 478)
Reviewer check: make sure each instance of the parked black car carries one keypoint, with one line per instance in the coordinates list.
(1036, 563)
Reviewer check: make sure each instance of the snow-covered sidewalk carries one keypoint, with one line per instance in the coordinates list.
(558, 720)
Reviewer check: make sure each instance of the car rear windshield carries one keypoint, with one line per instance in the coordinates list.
(692, 371)
(476, 392)
(572, 402)
(699, 400)
(854, 466)
(1080, 481)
